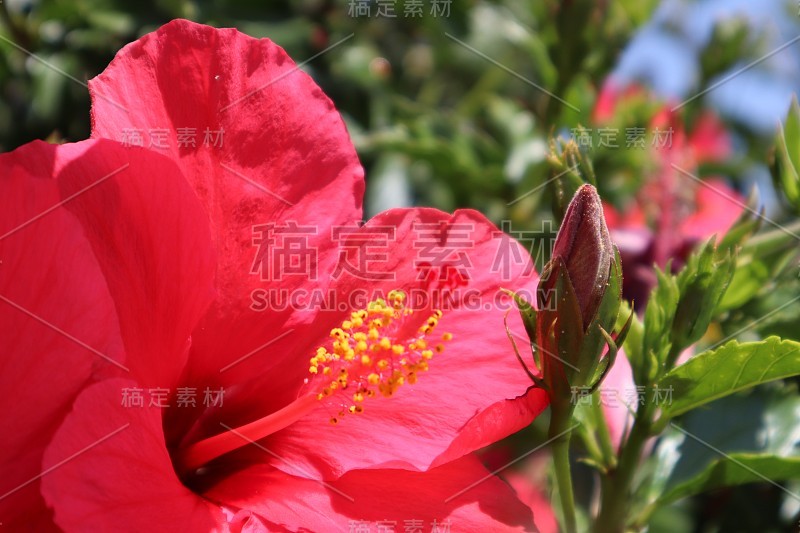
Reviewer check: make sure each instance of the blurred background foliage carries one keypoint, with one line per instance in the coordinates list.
(473, 104)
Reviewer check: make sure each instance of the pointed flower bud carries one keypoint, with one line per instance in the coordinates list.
(578, 300)
(583, 246)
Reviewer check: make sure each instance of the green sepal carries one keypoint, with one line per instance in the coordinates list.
(786, 166)
(527, 313)
(608, 360)
(536, 380)
(604, 320)
(560, 331)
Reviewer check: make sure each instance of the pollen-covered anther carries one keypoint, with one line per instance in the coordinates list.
(374, 352)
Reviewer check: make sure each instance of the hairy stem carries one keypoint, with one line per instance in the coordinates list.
(609, 456)
(560, 433)
(616, 501)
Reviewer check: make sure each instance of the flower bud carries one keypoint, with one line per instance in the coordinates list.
(583, 246)
(578, 300)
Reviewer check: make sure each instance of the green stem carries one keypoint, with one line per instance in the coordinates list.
(616, 501)
(590, 443)
(604, 436)
(644, 516)
(672, 357)
(564, 480)
(560, 433)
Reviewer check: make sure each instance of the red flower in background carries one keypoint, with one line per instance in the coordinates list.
(670, 215)
(672, 212)
(133, 270)
(528, 478)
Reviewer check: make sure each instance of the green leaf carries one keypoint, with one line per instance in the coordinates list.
(681, 308)
(726, 370)
(750, 277)
(658, 318)
(702, 284)
(761, 422)
(633, 342)
(736, 469)
(787, 157)
(728, 44)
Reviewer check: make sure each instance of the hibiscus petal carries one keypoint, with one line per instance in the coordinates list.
(536, 499)
(717, 207)
(709, 140)
(476, 373)
(459, 496)
(108, 468)
(151, 239)
(621, 398)
(52, 299)
(285, 159)
(105, 252)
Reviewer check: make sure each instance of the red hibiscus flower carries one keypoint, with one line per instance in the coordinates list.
(199, 335)
(673, 210)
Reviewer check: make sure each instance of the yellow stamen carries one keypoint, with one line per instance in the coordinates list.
(380, 328)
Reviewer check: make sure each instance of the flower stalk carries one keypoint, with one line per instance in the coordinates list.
(561, 437)
(615, 493)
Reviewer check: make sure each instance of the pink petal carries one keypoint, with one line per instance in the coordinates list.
(619, 398)
(400, 498)
(110, 470)
(106, 268)
(151, 239)
(606, 102)
(285, 159)
(536, 499)
(709, 139)
(52, 299)
(475, 392)
(717, 207)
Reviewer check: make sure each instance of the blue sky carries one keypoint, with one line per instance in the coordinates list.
(664, 54)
